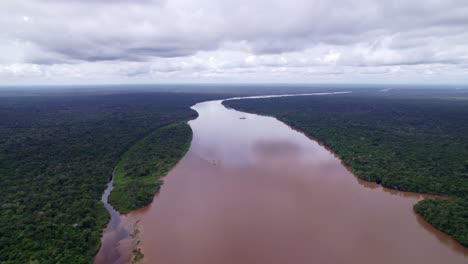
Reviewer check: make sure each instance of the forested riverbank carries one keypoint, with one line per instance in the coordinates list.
(139, 174)
(57, 153)
(406, 140)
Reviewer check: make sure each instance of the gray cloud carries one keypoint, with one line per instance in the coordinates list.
(220, 36)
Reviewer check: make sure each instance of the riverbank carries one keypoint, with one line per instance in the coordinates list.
(57, 153)
(244, 177)
(134, 182)
(139, 174)
(375, 153)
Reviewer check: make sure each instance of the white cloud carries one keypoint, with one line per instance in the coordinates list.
(331, 57)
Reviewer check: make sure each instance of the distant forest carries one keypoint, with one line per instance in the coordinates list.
(410, 140)
(57, 153)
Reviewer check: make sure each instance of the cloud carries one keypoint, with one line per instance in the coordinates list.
(192, 38)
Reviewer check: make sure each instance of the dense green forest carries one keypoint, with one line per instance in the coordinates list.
(450, 215)
(415, 140)
(139, 173)
(57, 153)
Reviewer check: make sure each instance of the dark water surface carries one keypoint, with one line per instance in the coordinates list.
(254, 190)
(116, 243)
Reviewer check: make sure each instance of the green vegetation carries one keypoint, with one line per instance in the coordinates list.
(57, 153)
(414, 140)
(139, 173)
(448, 215)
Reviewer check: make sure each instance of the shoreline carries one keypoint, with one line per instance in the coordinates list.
(129, 234)
(441, 235)
(362, 182)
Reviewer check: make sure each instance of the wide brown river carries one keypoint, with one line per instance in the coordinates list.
(251, 190)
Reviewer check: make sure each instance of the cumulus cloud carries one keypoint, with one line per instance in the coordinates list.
(215, 39)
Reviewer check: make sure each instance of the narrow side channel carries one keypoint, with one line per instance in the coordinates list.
(114, 234)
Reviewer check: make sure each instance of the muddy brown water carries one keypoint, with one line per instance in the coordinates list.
(253, 190)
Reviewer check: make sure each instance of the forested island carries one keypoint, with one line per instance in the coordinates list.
(139, 174)
(410, 140)
(57, 152)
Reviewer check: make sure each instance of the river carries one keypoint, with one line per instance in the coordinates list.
(252, 190)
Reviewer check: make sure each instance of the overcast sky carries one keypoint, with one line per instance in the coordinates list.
(302, 41)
